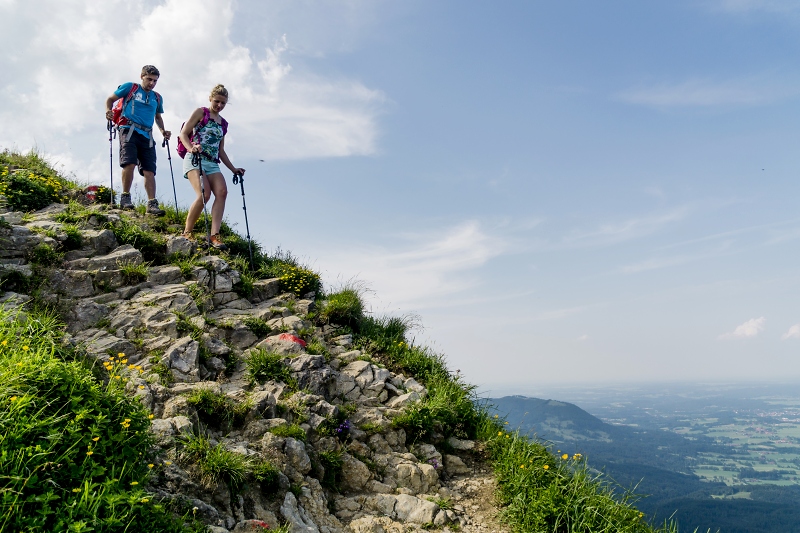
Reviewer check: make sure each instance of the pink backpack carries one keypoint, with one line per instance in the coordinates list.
(182, 150)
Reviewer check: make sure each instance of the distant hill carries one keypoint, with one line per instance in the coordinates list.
(654, 462)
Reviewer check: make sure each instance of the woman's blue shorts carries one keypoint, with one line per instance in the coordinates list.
(209, 167)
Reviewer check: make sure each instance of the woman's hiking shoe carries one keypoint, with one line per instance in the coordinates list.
(125, 201)
(188, 236)
(217, 243)
(153, 209)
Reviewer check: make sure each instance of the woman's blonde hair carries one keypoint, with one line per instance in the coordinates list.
(219, 90)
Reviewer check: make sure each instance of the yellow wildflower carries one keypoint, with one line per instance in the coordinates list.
(25, 348)
(90, 452)
(134, 482)
(151, 465)
(13, 398)
(565, 456)
(546, 467)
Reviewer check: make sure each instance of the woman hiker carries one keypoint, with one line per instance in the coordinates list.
(204, 134)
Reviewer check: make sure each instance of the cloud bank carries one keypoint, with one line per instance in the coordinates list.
(63, 58)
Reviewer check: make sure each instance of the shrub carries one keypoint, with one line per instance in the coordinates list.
(72, 448)
(263, 366)
(257, 326)
(267, 474)
(291, 430)
(215, 407)
(185, 263)
(215, 463)
(344, 308)
(33, 186)
(294, 277)
(332, 463)
(134, 273)
(45, 255)
(74, 238)
(152, 245)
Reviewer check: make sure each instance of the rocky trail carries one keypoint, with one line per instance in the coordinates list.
(182, 337)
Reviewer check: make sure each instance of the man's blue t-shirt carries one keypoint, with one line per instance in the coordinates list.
(142, 107)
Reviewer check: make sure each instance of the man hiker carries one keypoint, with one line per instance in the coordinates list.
(141, 105)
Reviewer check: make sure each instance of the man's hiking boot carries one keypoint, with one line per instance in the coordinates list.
(153, 209)
(125, 201)
(217, 243)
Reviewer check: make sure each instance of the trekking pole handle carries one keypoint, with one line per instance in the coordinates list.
(238, 178)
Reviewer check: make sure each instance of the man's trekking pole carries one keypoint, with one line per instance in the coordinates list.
(239, 179)
(164, 143)
(111, 132)
(197, 160)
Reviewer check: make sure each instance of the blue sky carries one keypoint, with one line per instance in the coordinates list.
(563, 192)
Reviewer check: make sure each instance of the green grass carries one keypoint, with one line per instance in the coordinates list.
(263, 366)
(332, 463)
(257, 326)
(134, 273)
(151, 244)
(291, 430)
(45, 255)
(344, 307)
(73, 449)
(28, 182)
(215, 408)
(74, 238)
(541, 492)
(215, 463)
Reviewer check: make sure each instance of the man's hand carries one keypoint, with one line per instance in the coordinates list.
(167, 134)
(109, 114)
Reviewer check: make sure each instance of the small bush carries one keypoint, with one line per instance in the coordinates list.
(152, 245)
(344, 308)
(134, 273)
(263, 366)
(215, 407)
(73, 447)
(316, 347)
(257, 326)
(332, 463)
(292, 430)
(28, 190)
(294, 277)
(74, 238)
(185, 263)
(45, 255)
(215, 463)
(267, 474)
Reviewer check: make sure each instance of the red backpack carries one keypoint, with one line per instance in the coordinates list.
(119, 106)
(181, 149)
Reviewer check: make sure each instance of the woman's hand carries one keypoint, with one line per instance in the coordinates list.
(196, 149)
(239, 171)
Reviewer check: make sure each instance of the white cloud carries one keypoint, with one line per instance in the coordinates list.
(793, 333)
(582, 338)
(421, 270)
(751, 328)
(709, 93)
(63, 58)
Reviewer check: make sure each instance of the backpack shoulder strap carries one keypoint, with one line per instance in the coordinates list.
(158, 99)
(134, 88)
(224, 127)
